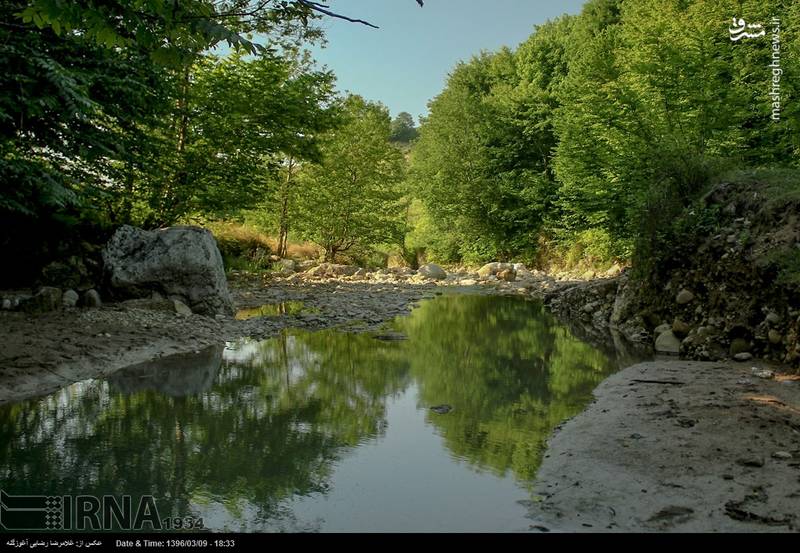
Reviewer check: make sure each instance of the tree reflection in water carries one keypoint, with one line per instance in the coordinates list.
(266, 421)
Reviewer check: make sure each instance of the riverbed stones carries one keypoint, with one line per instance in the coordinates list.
(332, 270)
(433, 271)
(667, 342)
(661, 329)
(783, 455)
(739, 345)
(181, 308)
(680, 328)
(744, 356)
(176, 261)
(70, 298)
(46, 299)
(493, 268)
(507, 275)
(774, 337)
(684, 297)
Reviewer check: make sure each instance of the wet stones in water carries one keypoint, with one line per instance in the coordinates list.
(442, 409)
(391, 337)
(755, 462)
(278, 309)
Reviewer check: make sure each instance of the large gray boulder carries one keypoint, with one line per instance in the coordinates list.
(493, 268)
(176, 261)
(432, 270)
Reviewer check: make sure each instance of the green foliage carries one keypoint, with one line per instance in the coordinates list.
(173, 32)
(602, 126)
(652, 103)
(351, 199)
(482, 162)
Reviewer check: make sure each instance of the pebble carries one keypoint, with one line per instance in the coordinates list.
(782, 455)
(766, 374)
(751, 462)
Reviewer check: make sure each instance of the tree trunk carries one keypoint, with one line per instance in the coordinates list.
(330, 254)
(283, 232)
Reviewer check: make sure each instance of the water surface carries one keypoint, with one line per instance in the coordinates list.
(323, 431)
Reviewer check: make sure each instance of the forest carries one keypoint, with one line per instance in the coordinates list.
(584, 144)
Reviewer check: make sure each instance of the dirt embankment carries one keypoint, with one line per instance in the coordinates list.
(726, 284)
(679, 446)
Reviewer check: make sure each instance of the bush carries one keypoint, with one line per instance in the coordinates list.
(242, 247)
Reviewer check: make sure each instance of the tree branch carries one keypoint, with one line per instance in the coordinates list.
(322, 8)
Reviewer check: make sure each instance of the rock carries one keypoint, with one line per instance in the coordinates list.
(468, 282)
(615, 270)
(680, 328)
(182, 261)
(519, 267)
(743, 356)
(432, 270)
(765, 374)
(773, 318)
(782, 455)
(739, 345)
(92, 299)
(305, 265)
(493, 268)
(391, 337)
(70, 298)
(667, 342)
(441, 409)
(6, 304)
(588, 275)
(507, 275)
(661, 329)
(684, 297)
(751, 461)
(46, 299)
(624, 302)
(775, 337)
(288, 265)
(181, 308)
(69, 273)
(332, 270)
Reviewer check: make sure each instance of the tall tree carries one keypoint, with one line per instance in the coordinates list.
(351, 199)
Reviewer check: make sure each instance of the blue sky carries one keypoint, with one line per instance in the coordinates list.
(405, 63)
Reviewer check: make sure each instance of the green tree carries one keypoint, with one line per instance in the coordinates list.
(351, 199)
(404, 129)
(656, 99)
(481, 164)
